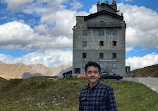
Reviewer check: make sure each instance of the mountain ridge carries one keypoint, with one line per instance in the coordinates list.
(17, 71)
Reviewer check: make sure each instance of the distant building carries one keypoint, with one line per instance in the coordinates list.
(100, 37)
(66, 72)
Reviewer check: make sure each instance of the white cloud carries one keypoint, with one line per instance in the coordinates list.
(15, 5)
(63, 21)
(129, 49)
(53, 32)
(6, 58)
(49, 58)
(19, 35)
(16, 34)
(140, 62)
(141, 26)
(56, 23)
(93, 9)
(38, 8)
(128, 0)
(76, 5)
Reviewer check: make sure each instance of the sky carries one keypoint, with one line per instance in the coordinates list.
(40, 31)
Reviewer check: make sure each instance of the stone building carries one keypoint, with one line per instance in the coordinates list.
(100, 37)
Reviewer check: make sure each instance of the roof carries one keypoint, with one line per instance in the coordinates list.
(65, 70)
(103, 12)
(108, 5)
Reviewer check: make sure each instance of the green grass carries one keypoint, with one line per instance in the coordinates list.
(42, 94)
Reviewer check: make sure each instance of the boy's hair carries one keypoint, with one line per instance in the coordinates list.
(91, 63)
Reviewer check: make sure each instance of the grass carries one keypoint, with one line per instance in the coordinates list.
(42, 94)
(149, 71)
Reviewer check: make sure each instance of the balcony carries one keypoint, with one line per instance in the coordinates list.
(103, 25)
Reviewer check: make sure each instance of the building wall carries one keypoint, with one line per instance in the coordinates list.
(93, 48)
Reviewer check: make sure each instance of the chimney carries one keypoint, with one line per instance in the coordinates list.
(106, 6)
(98, 2)
(113, 2)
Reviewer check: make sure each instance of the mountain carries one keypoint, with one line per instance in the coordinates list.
(149, 71)
(19, 70)
(48, 71)
(1, 62)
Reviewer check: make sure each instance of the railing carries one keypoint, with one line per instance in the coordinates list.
(103, 24)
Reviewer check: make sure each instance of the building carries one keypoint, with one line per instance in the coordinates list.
(66, 72)
(100, 37)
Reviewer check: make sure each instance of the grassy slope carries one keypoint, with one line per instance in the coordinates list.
(37, 94)
(151, 71)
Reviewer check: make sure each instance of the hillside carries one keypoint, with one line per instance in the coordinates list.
(19, 70)
(151, 71)
(42, 94)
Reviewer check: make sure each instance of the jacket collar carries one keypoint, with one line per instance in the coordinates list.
(94, 87)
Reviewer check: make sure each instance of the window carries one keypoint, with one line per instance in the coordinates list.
(114, 55)
(83, 55)
(101, 55)
(114, 32)
(83, 65)
(114, 43)
(84, 32)
(114, 65)
(127, 70)
(111, 73)
(101, 43)
(77, 71)
(102, 23)
(84, 43)
(101, 65)
(101, 31)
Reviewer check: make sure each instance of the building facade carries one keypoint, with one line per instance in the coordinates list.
(100, 37)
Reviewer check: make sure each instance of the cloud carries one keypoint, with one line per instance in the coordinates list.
(6, 58)
(55, 18)
(55, 26)
(140, 62)
(16, 34)
(59, 23)
(43, 6)
(50, 58)
(53, 32)
(76, 5)
(129, 49)
(15, 5)
(93, 9)
(141, 26)
(23, 36)
(128, 0)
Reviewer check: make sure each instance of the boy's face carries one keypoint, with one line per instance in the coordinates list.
(92, 74)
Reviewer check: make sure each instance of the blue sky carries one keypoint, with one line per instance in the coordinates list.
(40, 31)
